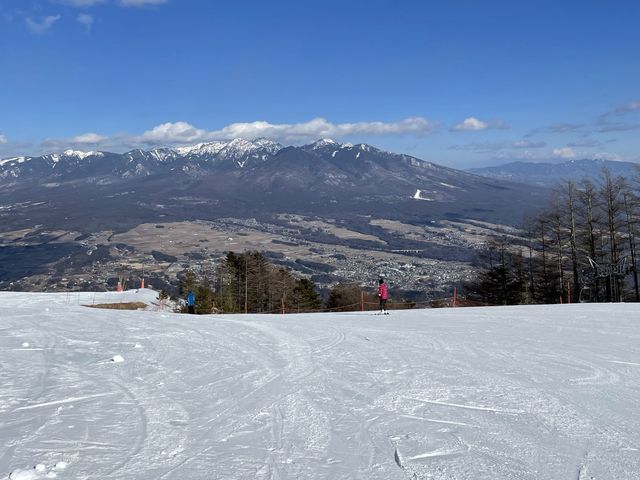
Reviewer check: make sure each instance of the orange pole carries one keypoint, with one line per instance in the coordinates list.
(142, 283)
(361, 301)
(455, 294)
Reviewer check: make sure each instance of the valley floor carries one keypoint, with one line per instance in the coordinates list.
(541, 392)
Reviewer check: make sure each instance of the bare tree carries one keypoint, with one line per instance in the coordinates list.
(630, 201)
(611, 191)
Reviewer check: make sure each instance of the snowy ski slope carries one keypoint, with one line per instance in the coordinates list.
(541, 392)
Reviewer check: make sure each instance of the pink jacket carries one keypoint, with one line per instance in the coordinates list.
(382, 291)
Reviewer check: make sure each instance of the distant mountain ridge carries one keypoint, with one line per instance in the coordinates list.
(547, 174)
(317, 208)
(257, 178)
(239, 151)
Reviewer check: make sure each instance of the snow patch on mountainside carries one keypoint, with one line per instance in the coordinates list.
(419, 196)
(201, 149)
(13, 161)
(323, 142)
(237, 149)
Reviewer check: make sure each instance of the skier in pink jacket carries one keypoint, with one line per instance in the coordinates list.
(382, 295)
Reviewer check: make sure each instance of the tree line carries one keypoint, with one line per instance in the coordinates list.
(248, 283)
(582, 246)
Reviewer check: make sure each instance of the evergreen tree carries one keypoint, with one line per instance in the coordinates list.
(344, 297)
(187, 283)
(248, 282)
(204, 297)
(305, 298)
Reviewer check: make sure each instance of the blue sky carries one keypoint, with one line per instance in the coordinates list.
(460, 83)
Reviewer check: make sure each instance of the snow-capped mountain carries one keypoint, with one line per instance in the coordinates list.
(201, 149)
(238, 151)
(257, 177)
(50, 204)
(235, 153)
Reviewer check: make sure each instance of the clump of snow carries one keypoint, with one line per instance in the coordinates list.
(25, 344)
(117, 359)
(38, 471)
(23, 475)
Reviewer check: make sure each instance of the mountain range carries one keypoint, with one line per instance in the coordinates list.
(330, 210)
(258, 177)
(548, 174)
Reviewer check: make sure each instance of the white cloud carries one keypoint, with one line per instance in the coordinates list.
(86, 20)
(618, 127)
(182, 132)
(565, 127)
(486, 147)
(178, 132)
(141, 3)
(43, 25)
(470, 124)
(607, 156)
(3, 139)
(527, 144)
(585, 143)
(473, 124)
(629, 107)
(79, 3)
(89, 138)
(567, 153)
(122, 3)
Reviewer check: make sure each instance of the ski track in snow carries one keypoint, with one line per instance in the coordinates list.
(542, 392)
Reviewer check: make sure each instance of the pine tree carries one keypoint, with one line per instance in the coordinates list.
(344, 297)
(305, 298)
(248, 282)
(204, 297)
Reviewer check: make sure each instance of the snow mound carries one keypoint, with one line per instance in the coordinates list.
(38, 471)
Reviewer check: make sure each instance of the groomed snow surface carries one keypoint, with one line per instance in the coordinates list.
(542, 392)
